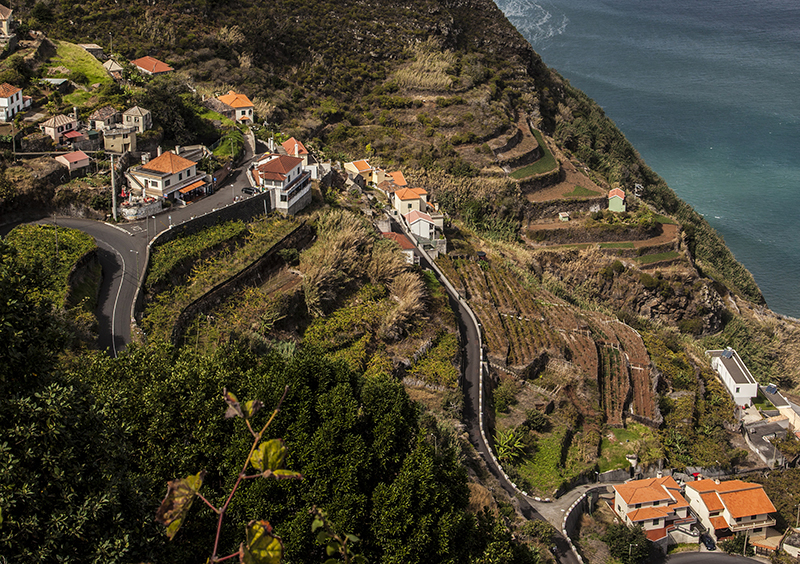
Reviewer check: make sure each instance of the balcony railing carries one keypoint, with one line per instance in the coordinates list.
(743, 525)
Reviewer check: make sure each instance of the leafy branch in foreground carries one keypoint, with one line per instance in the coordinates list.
(267, 458)
(335, 543)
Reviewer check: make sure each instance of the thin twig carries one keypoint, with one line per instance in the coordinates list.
(214, 509)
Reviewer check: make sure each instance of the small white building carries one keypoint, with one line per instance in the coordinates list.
(76, 162)
(57, 127)
(731, 507)
(287, 181)
(734, 375)
(406, 246)
(137, 117)
(420, 224)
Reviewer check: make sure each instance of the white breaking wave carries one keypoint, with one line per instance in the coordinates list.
(532, 20)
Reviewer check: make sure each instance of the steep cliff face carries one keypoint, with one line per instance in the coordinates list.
(675, 295)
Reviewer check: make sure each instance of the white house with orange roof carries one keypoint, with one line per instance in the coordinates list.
(731, 507)
(151, 66)
(406, 200)
(237, 107)
(654, 503)
(286, 180)
(12, 101)
(167, 176)
(616, 200)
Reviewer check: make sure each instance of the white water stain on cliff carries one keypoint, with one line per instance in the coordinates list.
(533, 20)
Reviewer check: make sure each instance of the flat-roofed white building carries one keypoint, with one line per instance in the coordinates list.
(734, 375)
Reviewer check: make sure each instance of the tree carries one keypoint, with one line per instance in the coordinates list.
(736, 545)
(629, 545)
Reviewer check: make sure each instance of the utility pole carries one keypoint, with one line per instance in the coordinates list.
(113, 190)
(797, 521)
(55, 220)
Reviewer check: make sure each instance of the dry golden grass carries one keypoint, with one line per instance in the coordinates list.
(339, 255)
(386, 262)
(428, 71)
(408, 290)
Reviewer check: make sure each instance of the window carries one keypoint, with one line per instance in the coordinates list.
(409, 207)
(167, 183)
(655, 521)
(284, 198)
(737, 389)
(180, 175)
(656, 504)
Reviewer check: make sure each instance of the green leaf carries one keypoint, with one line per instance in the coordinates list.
(352, 538)
(322, 536)
(269, 458)
(234, 409)
(252, 407)
(316, 524)
(261, 547)
(176, 504)
(332, 549)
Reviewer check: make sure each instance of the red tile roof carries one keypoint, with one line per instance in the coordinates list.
(712, 501)
(410, 193)
(235, 100)
(192, 186)
(73, 134)
(648, 513)
(278, 167)
(151, 65)
(168, 163)
(75, 156)
(404, 242)
(7, 90)
(289, 147)
(617, 192)
(656, 534)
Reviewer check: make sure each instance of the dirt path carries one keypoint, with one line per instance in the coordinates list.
(669, 234)
(573, 177)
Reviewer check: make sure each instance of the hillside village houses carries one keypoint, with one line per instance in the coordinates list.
(8, 39)
(237, 107)
(657, 505)
(168, 176)
(59, 127)
(734, 375)
(104, 118)
(138, 118)
(731, 507)
(77, 162)
(287, 181)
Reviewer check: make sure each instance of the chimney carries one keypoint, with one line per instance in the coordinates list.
(177, 149)
(716, 481)
(75, 112)
(159, 151)
(296, 149)
(659, 475)
(271, 144)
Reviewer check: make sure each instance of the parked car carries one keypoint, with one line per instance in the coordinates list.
(249, 190)
(708, 542)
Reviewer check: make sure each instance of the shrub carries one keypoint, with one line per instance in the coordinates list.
(505, 395)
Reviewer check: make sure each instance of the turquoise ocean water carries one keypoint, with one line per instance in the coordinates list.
(708, 91)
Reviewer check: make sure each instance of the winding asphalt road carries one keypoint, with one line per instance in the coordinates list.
(123, 251)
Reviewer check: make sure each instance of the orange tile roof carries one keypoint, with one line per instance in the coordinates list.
(398, 178)
(235, 100)
(617, 192)
(647, 491)
(169, 163)
(740, 498)
(362, 166)
(192, 186)
(151, 65)
(404, 242)
(719, 522)
(289, 146)
(7, 90)
(647, 513)
(712, 501)
(408, 194)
